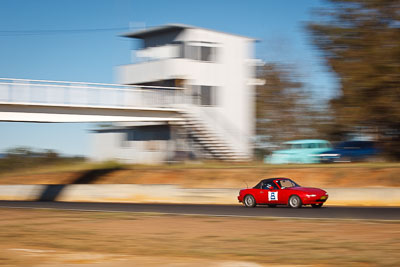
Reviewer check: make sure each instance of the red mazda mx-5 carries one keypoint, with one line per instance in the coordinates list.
(282, 191)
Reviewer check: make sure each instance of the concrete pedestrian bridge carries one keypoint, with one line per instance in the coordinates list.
(59, 101)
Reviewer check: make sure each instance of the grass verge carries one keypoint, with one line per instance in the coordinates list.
(275, 241)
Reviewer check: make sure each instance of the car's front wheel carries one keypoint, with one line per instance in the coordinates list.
(294, 202)
(249, 201)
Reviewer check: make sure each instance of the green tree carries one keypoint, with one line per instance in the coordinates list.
(283, 108)
(360, 41)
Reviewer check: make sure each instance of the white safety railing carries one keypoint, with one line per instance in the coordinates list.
(23, 91)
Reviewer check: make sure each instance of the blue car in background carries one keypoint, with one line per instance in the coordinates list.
(299, 151)
(350, 151)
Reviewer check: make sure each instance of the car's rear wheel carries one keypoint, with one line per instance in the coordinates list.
(316, 206)
(294, 202)
(249, 201)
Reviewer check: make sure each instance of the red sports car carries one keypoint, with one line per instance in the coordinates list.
(282, 191)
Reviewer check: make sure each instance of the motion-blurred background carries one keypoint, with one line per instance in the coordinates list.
(290, 82)
(177, 105)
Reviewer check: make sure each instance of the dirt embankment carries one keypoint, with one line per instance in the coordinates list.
(235, 177)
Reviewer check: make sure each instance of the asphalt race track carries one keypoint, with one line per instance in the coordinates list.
(328, 212)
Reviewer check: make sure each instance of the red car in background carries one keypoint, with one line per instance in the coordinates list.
(282, 191)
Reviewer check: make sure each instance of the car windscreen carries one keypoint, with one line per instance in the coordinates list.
(287, 183)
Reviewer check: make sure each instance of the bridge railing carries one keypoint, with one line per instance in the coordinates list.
(23, 91)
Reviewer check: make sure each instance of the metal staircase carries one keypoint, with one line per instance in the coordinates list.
(207, 139)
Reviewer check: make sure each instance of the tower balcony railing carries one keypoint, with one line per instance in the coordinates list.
(62, 93)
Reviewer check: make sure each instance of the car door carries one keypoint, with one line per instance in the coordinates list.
(270, 193)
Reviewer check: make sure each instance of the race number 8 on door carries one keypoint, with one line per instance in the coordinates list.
(272, 196)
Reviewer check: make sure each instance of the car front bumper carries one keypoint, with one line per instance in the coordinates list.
(314, 200)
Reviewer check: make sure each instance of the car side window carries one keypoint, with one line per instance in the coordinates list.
(269, 186)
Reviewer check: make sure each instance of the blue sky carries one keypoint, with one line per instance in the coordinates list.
(92, 56)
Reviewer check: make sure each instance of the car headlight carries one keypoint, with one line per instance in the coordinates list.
(311, 195)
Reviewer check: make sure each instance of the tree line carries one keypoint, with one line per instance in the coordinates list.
(359, 41)
(24, 158)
